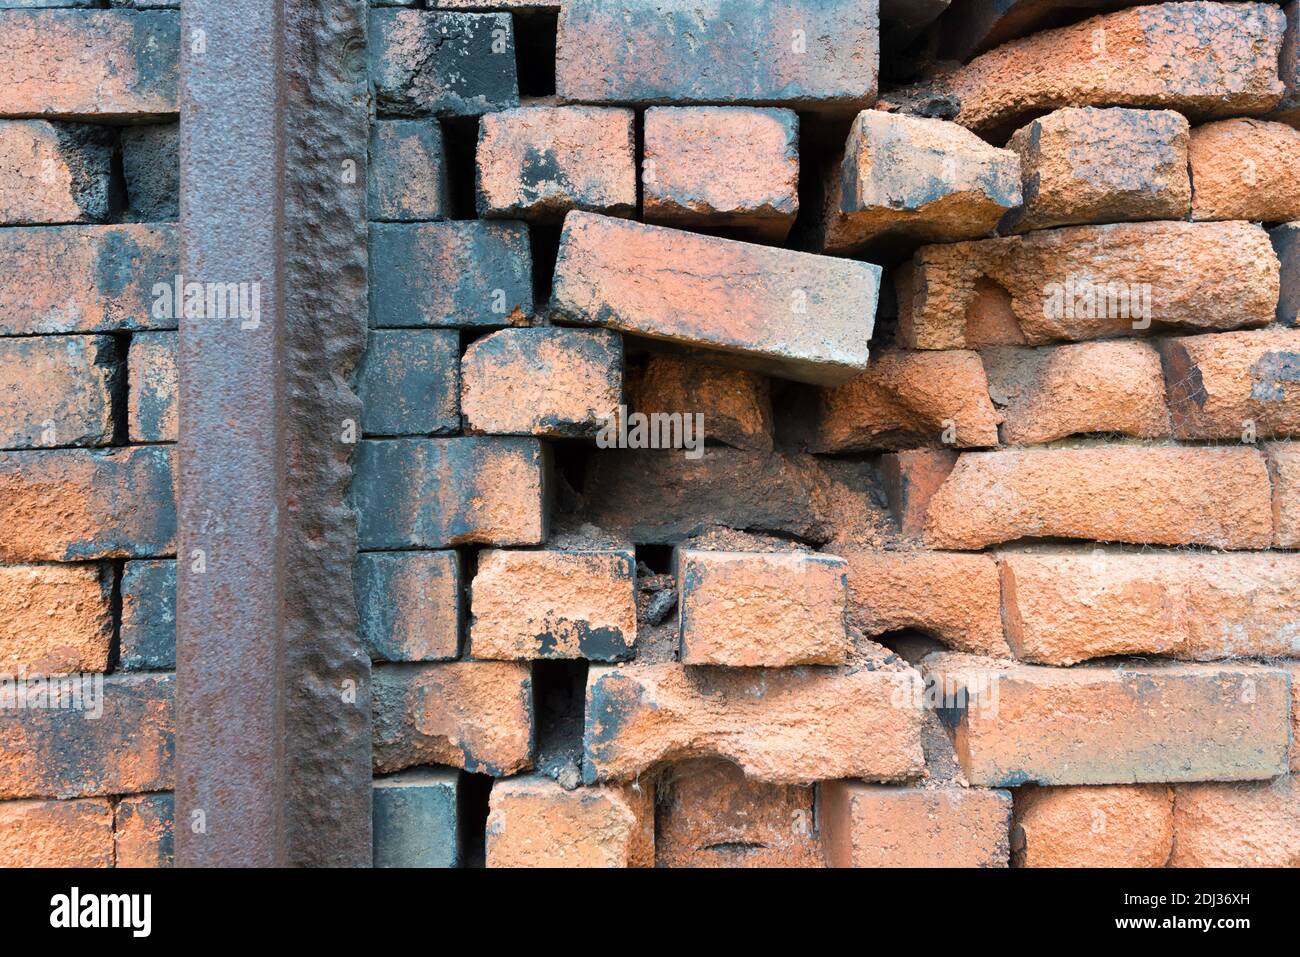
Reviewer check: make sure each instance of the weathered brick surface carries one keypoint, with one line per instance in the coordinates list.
(409, 382)
(537, 163)
(1087, 282)
(148, 632)
(415, 819)
(800, 53)
(1284, 469)
(734, 169)
(1120, 825)
(57, 390)
(554, 604)
(409, 604)
(55, 619)
(475, 715)
(534, 822)
(1293, 668)
(1288, 109)
(154, 383)
(736, 404)
(143, 831)
(432, 493)
(54, 172)
(1237, 825)
(1245, 169)
(1138, 494)
(1100, 724)
(407, 172)
(978, 25)
(1234, 385)
(911, 478)
(787, 313)
(151, 167)
(56, 834)
(872, 825)
(543, 381)
(1087, 165)
(1286, 244)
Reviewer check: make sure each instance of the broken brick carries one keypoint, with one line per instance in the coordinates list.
(736, 404)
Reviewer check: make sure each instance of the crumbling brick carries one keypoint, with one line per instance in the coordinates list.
(153, 379)
(409, 382)
(56, 834)
(407, 173)
(1121, 825)
(1237, 825)
(1245, 169)
(416, 819)
(1238, 386)
(54, 172)
(148, 627)
(143, 831)
(409, 604)
(55, 619)
(57, 390)
(736, 404)
(534, 822)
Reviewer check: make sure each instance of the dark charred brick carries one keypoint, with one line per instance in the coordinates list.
(409, 382)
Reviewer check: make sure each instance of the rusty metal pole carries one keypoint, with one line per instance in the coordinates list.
(273, 707)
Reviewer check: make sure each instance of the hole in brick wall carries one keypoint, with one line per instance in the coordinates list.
(657, 558)
(119, 386)
(569, 467)
(908, 644)
(471, 818)
(535, 41)
(544, 244)
(115, 568)
(559, 700)
(821, 144)
(118, 201)
(460, 142)
(638, 157)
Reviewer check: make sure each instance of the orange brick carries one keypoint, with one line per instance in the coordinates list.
(736, 404)
(57, 390)
(54, 172)
(1237, 825)
(1235, 385)
(55, 619)
(142, 831)
(1122, 825)
(1284, 469)
(911, 478)
(1245, 169)
(56, 834)
(534, 822)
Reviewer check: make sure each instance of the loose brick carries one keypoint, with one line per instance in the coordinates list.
(57, 390)
(407, 174)
(1245, 169)
(777, 311)
(86, 278)
(98, 64)
(917, 179)
(56, 834)
(954, 597)
(1137, 494)
(1284, 470)
(1205, 60)
(433, 493)
(442, 64)
(55, 619)
(148, 633)
(54, 172)
(534, 822)
(871, 825)
(1087, 282)
(1120, 825)
(65, 752)
(736, 404)
(711, 815)
(911, 478)
(554, 604)
(1237, 825)
(1236, 385)
(151, 165)
(409, 604)
(1099, 724)
(68, 505)
(762, 609)
(475, 715)
(908, 399)
(805, 54)
(409, 382)
(537, 163)
(143, 831)
(1088, 165)
(785, 726)
(415, 819)
(734, 169)
(1051, 392)
(547, 381)
(1286, 244)
(450, 275)
(154, 383)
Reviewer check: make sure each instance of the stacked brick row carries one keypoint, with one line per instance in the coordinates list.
(88, 203)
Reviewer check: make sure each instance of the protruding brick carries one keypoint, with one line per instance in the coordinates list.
(409, 604)
(537, 163)
(1092, 165)
(1051, 392)
(154, 383)
(67, 505)
(1139, 494)
(409, 382)
(54, 172)
(1120, 825)
(407, 172)
(55, 619)
(1237, 825)
(432, 493)
(143, 831)
(57, 390)
(736, 404)
(786, 726)
(1284, 470)
(554, 604)
(917, 179)
(415, 819)
(543, 381)
(1245, 169)
(56, 834)
(911, 478)
(1236, 385)
(952, 596)
(1203, 59)
(786, 313)
(1087, 282)
(65, 752)
(1106, 724)
(872, 825)
(1286, 244)
(734, 169)
(762, 609)
(426, 63)
(534, 822)
(449, 275)
(86, 278)
(148, 641)
(908, 399)
(151, 165)
(475, 715)
(98, 64)
(805, 54)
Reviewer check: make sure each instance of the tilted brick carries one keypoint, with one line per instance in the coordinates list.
(148, 631)
(55, 619)
(1284, 470)
(143, 831)
(1111, 825)
(56, 833)
(416, 819)
(1245, 169)
(407, 173)
(736, 404)
(151, 167)
(409, 604)
(57, 390)
(409, 382)
(54, 172)
(1286, 244)
(153, 378)
(534, 822)
(1237, 825)
(1235, 385)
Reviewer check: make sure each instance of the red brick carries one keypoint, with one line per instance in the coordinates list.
(142, 831)
(56, 834)
(1238, 386)
(1121, 825)
(154, 381)
(57, 390)
(911, 479)
(409, 604)
(736, 404)
(54, 172)
(1284, 469)
(1237, 825)
(1245, 169)
(55, 619)
(534, 822)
